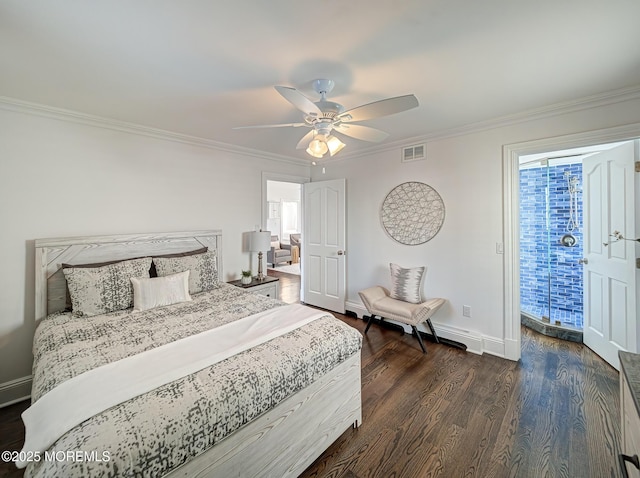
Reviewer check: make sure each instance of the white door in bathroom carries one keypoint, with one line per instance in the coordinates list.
(610, 294)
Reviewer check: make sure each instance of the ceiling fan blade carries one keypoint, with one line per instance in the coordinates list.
(284, 125)
(380, 108)
(298, 100)
(306, 139)
(365, 133)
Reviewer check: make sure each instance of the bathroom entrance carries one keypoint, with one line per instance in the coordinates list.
(612, 318)
(551, 244)
(577, 269)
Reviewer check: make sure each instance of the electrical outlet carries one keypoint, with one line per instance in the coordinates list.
(499, 248)
(466, 310)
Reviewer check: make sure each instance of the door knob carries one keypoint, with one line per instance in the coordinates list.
(584, 260)
(341, 253)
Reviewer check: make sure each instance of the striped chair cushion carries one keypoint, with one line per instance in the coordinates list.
(406, 284)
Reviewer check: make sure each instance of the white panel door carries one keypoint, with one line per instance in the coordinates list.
(610, 321)
(323, 247)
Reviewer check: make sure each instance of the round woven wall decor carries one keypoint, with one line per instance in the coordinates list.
(412, 213)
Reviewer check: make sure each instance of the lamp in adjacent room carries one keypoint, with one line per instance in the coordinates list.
(260, 241)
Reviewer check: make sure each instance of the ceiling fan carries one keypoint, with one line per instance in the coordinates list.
(324, 117)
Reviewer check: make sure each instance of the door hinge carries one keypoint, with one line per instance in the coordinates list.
(637, 166)
(637, 262)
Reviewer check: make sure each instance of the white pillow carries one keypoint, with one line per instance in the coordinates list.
(160, 291)
(406, 284)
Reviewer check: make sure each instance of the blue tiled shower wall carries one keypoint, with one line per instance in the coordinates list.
(544, 215)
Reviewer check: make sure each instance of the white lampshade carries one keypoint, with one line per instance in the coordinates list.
(260, 241)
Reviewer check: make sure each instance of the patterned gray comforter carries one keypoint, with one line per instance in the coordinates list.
(156, 432)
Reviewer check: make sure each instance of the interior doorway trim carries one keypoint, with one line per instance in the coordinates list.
(511, 213)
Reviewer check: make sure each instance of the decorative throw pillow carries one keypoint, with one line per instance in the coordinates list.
(149, 293)
(99, 290)
(203, 270)
(406, 284)
(152, 269)
(154, 273)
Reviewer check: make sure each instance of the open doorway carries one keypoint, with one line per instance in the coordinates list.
(284, 220)
(294, 181)
(512, 155)
(552, 239)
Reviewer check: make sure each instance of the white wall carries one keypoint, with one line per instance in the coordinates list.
(59, 178)
(463, 266)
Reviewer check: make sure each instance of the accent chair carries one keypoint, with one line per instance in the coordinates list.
(279, 252)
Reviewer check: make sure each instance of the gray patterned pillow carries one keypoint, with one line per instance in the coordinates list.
(203, 269)
(99, 290)
(406, 284)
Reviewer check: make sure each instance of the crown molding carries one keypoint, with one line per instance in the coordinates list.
(580, 104)
(565, 107)
(20, 106)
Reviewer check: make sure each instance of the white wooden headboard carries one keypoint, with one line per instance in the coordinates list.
(52, 253)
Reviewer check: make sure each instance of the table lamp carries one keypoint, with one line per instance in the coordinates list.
(260, 241)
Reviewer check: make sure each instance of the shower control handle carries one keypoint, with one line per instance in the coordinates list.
(584, 260)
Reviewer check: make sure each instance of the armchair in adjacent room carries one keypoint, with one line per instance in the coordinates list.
(295, 240)
(279, 252)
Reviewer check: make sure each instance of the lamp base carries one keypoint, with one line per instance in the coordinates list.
(260, 275)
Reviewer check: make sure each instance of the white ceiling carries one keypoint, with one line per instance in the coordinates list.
(200, 67)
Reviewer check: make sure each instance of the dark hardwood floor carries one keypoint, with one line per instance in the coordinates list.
(455, 414)
(11, 436)
(289, 286)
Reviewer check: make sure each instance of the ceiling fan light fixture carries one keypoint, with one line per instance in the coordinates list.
(334, 145)
(324, 117)
(322, 144)
(318, 146)
(313, 153)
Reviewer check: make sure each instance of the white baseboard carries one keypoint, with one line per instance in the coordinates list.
(476, 343)
(493, 346)
(357, 308)
(15, 391)
(472, 340)
(512, 349)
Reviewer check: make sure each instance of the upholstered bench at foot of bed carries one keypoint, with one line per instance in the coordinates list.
(379, 303)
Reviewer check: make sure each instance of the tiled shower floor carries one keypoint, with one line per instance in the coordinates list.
(570, 319)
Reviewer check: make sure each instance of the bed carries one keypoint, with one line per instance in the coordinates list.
(268, 410)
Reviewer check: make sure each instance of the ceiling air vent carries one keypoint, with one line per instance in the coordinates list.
(413, 153)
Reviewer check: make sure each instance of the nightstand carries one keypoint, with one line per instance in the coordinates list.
(268, 286)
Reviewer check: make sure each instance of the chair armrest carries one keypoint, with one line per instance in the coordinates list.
(373, 294)
(426, 309)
